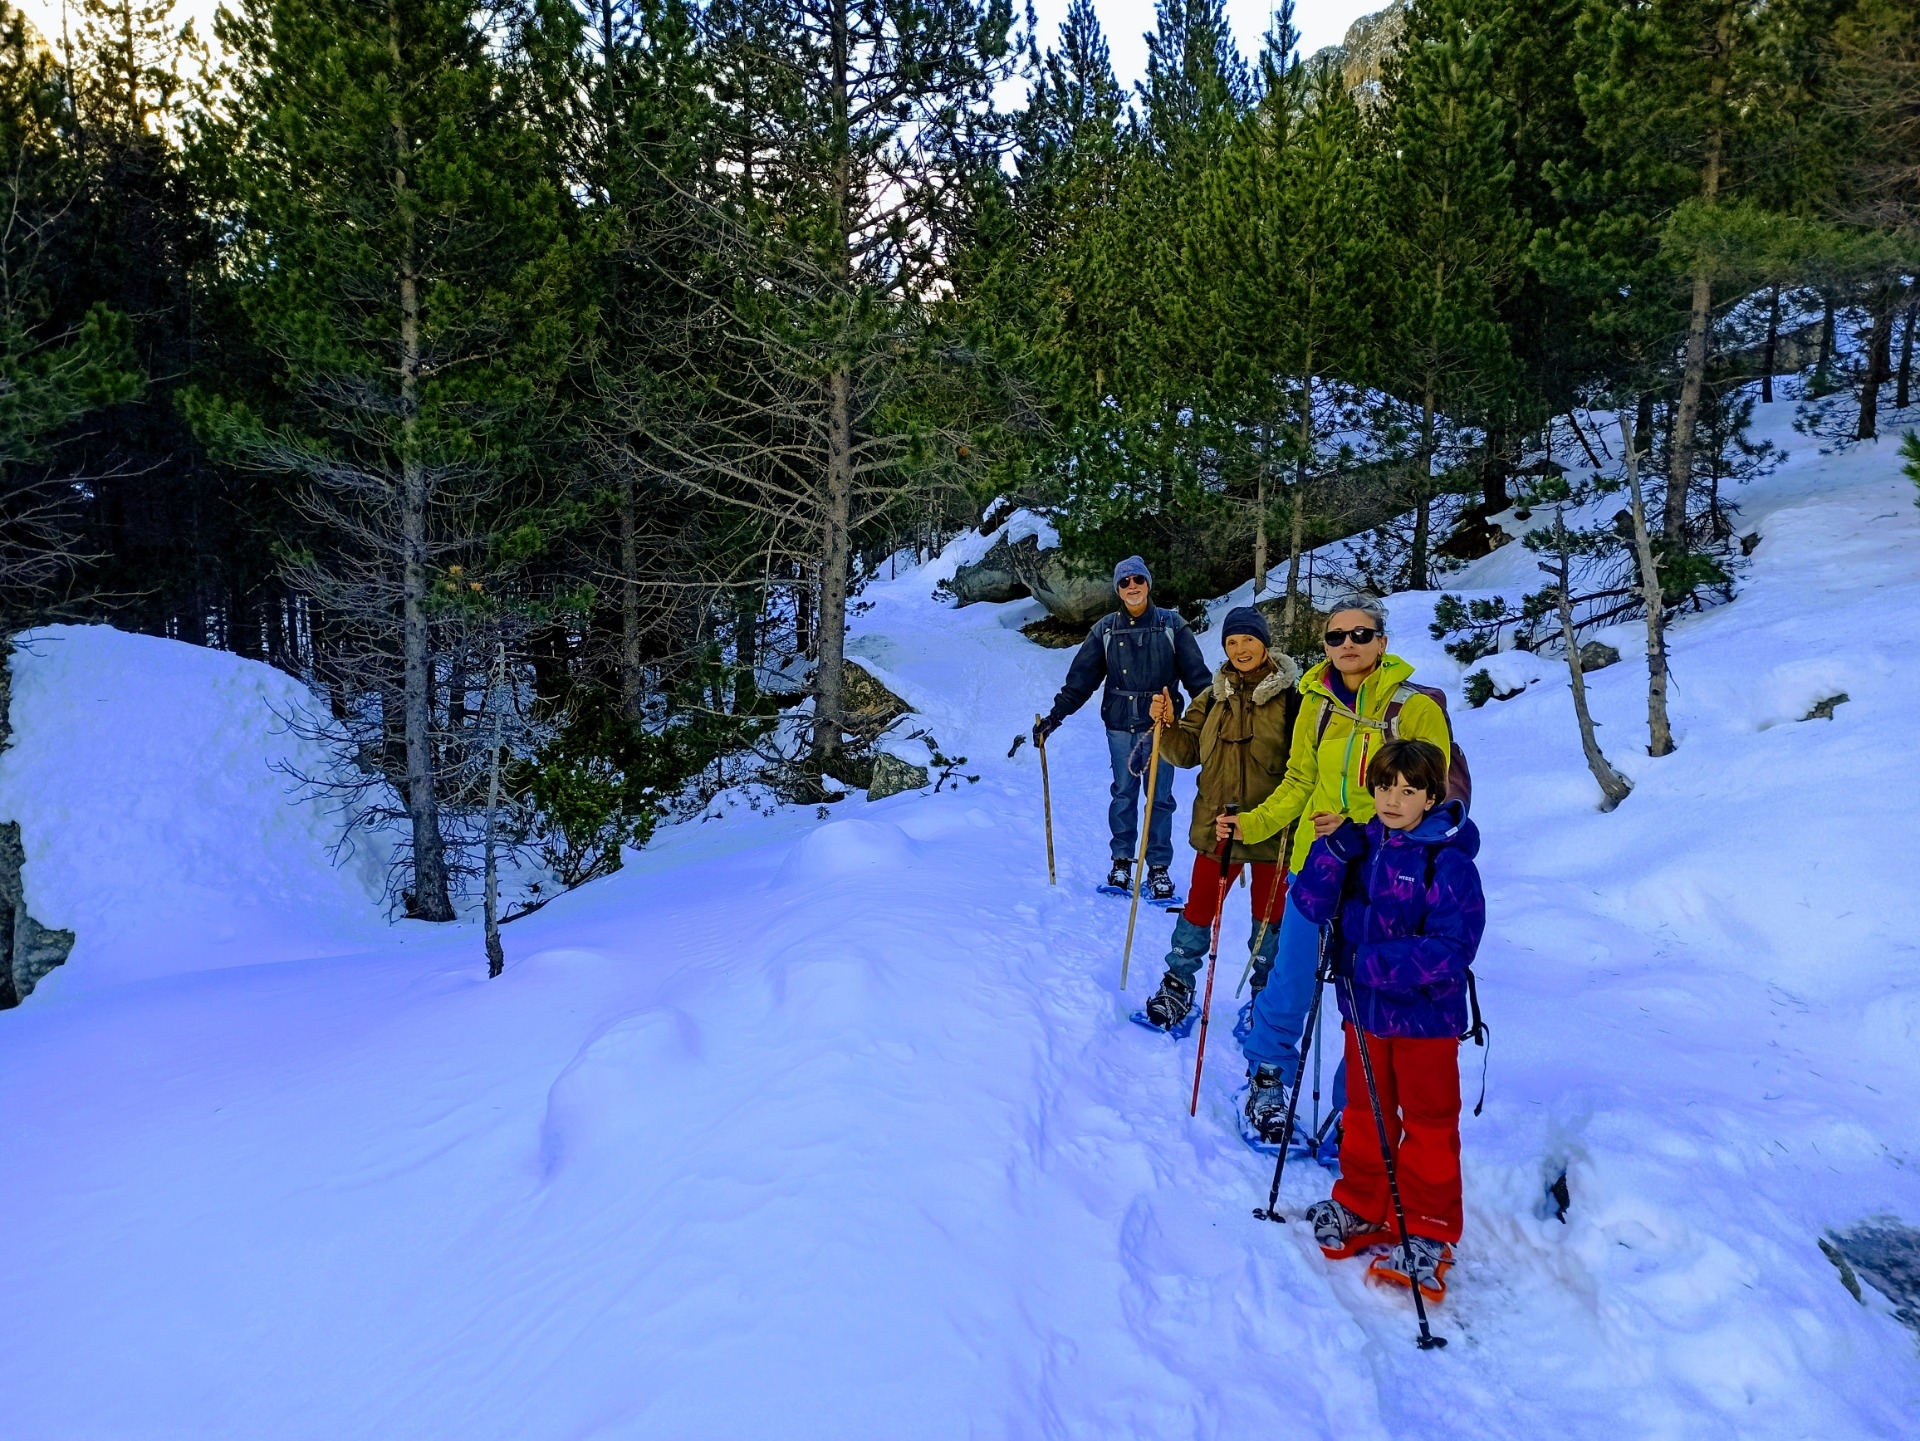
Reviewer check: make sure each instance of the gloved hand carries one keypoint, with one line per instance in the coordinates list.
(1043, 728)
(1348, 843)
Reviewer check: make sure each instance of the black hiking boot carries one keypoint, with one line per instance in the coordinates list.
(1170, 1004)
(1267, 1100)
(1159, 884)
(1120, 878)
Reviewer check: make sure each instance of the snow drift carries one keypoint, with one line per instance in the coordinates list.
(154, 786)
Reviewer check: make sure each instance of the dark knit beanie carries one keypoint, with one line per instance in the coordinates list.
(1245, 620)
(1132, 565)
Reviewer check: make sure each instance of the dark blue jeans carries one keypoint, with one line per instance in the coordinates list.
(1123, 812)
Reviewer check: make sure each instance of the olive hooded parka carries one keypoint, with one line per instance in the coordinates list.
(1238, 731)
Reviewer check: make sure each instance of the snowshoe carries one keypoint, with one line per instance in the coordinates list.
(1263, 1118)
(1178, 1031)
(1170, 1003)
(1417, 1262)
(1342, 1233)
(1158, 888)
(1119, 880)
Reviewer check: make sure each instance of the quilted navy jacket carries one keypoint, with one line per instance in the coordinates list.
(1408, 915)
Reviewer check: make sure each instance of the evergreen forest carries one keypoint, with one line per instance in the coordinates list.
(542, 380)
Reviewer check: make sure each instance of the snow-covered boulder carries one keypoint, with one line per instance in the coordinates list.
(1022, 558)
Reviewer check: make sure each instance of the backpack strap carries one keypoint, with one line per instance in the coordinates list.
(1477, 1030)
(1402, 693)
(1479, 1033)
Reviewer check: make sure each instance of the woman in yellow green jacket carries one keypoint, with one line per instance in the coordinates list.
(1352, 702)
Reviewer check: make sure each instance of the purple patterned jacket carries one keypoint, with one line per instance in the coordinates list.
(1405, 942)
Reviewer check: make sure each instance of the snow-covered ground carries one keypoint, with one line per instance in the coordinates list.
(835, 1127)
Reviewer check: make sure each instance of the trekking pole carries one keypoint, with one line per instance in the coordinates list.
(1213, 950)
(1427, 1340)
(1272, 1209)
(1140, 865)
(1260, 939)
(1046, 799)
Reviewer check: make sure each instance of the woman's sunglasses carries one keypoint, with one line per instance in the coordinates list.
(1359, 635)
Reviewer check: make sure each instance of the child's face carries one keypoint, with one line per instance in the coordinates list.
(1400, 806)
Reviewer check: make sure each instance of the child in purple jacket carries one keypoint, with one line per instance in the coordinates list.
(1404, 901)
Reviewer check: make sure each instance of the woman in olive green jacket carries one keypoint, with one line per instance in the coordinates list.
(1239, 732)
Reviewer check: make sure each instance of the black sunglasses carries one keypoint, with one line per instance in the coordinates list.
(1127, 582)
(1359, 635)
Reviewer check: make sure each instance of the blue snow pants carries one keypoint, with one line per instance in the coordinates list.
(1280, 1010)
(1123, 811)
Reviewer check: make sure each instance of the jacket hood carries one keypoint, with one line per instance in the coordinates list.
(1392, 670)
(1446, 824)
(1226, 680)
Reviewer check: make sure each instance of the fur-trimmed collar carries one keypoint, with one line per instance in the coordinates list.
(1285, 675)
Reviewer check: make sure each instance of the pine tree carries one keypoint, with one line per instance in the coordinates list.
(1452, 241)
(1291, 254)
(1662, 228)
(843, 410)
(406, 264)
(54, 369)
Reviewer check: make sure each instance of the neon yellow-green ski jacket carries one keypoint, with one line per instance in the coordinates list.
(1326, 762)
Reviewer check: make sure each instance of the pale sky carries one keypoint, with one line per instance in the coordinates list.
(1321, 22)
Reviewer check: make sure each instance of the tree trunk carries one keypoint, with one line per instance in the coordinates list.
(632, 680)
(1298, 518)
(746, 650)
(1581, 436)
(1687, 412)
(1614, 787)
(1260, 513)
(1904, 381)
(1494, 466)
(1297, 522)
(803, 607)
(1422, 501)
(1773, 347)
(1659, 732)
(496, 701)
(831, 634)
(1824, 362)
(430, 898)
(1879, 348)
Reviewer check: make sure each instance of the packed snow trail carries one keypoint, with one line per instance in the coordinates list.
(836, 1127)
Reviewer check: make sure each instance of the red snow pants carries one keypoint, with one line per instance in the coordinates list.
(1419, 1081)
(1203, 891)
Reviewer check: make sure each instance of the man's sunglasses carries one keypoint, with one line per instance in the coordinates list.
(1129, 582)
(1359, 635)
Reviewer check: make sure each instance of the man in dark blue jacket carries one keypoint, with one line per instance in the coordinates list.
(1136, 652)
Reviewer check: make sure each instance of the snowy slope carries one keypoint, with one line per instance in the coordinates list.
(835, 1127)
